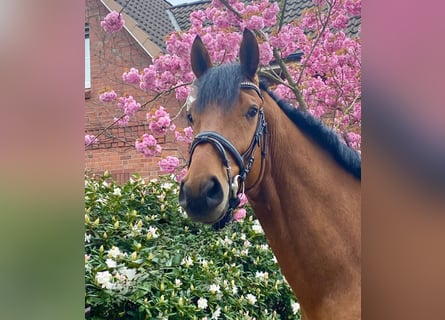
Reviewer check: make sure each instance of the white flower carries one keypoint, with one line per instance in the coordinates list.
(87, 238)
(247, 244)
(111, 263)
(103, 278)
(262, 275)
(162, 317)
(217, 313)
(256, 227)
(187, 261)
(152, 231)
(202, 303)
(102, 201)
(178, 283)
(167, 185)
(204, 263)
(295, 307)
(120, 277)
(136, 229)
(114, 252)
(117, 192)
(214, 288)
(226, 241)
(251, 299)
(234, 289)
(129, 273)
(247, 316)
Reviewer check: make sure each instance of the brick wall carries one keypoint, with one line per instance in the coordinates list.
(110, 56)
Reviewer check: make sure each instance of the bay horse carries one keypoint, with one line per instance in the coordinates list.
(302, 182)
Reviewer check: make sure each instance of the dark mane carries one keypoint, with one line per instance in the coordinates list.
(347, 157)
(219, 85)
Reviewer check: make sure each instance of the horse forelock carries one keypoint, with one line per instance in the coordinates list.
(219, 86)
(347, 157)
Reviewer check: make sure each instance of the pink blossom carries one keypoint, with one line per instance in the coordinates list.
(197, 18)
(128, 105)
(148, 78)
(239, 214)
(318, 2)
(217, 4)
(108, 96)
(221, 21)
(354, 140)
(90, 139)
(185, 135)
(287, 40)
(113, 22)
(148, 145)
(159, 122)
(122, 122)
(182, 93)
(329, 81)
(255, 23)
(282, 91)
(341, 21)
(266, 54)
(357, 114)
(353, 7)
(169, 164)
(132, 76)
(270, 14)
(243, 199)
(179, 176)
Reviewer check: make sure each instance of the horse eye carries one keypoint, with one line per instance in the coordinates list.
(252, 112)
(190, 118)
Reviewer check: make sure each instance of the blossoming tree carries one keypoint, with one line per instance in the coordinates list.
(324, 82)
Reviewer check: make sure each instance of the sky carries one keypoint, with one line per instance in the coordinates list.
(176, 2)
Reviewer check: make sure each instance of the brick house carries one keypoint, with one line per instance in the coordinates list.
(147, 22)
(107, 57)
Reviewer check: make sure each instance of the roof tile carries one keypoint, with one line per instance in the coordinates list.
(153, 18)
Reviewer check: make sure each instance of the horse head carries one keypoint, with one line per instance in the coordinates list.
(225, 111)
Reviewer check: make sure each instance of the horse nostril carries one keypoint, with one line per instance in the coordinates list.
(214, 193)
(202, 200)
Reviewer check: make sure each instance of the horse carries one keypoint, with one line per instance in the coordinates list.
(302, 182)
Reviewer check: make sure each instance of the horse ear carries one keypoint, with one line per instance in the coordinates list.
(249, 54)
(199, 57)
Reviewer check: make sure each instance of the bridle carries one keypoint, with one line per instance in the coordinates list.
(222, 145)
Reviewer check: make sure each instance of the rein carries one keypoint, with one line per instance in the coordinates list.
(222, 145)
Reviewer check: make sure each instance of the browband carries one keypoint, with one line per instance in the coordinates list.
(251, 85)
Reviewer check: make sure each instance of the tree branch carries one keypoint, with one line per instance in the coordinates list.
(282, 11)
(293, 86)
(314, 45)
(232, 9)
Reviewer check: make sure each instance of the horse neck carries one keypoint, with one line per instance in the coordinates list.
(309, 208)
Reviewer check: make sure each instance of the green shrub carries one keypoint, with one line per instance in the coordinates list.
(144, 259)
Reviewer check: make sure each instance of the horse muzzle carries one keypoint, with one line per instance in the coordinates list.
(204, 202)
